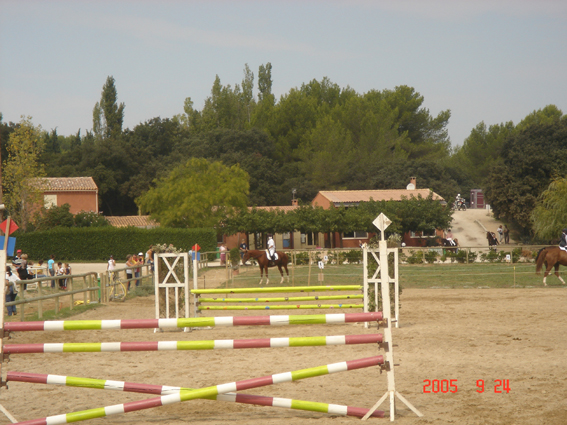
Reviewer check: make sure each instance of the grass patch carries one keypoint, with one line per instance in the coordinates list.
(64, 312)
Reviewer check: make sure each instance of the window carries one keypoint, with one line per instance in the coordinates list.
(355, 235)
(424, 234)
(49, 201)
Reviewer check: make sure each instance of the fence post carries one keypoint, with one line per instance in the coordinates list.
(69, 283)
(40, 303)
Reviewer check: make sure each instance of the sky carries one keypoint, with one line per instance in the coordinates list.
(493, 61)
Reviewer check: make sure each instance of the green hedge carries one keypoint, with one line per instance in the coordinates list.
(98, 243)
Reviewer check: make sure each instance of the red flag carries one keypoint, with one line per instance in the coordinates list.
(13, 226)
(196, 247)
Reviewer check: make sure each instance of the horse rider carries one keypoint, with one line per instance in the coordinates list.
(449, 237)
(563, 240)
(271, 248)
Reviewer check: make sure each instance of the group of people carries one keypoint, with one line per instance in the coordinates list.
(133, 263)
(22, 269)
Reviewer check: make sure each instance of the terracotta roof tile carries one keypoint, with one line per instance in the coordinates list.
(132, 221)
(276, 208)
(356, 196)
(61, 184)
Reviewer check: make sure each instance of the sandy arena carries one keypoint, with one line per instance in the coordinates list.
(519, 335)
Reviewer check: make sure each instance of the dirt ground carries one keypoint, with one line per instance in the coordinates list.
(518, 335)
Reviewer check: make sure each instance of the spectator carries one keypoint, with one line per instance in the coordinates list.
(111, 264)
(67, 272)
(17, 259)
(11, 290)
(139, 261)
(52, 268)
(243, 248)
(150, 257)
(500, 234)
(40, 270)
(60, 272)
(222, 250)
(506, 234)
(129, 264)
(22, 269)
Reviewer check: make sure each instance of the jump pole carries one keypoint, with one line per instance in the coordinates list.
(184, 395)
(277, 289)
(257, 400)
(282, 299)
(101, 347)
(281, 307)
(301, 319)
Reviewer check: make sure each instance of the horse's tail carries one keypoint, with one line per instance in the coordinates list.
(540, 258)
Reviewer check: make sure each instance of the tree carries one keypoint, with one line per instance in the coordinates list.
(108, 116)
(197, 194)
(265, 83)
(530, 160)
(23, 171)
(550, 213)
(48, 218)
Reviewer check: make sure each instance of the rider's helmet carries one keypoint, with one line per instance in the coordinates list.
(564, 230)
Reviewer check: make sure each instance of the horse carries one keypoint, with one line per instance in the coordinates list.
(450, 246)
(492, 241)
(264, 262)
(551, 256)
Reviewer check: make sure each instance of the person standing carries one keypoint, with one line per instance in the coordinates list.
(11, 290)
(139, 261)
(500, 234)
(130, 265)
(60, 272)
(111, 264)
(243, 248)
(51, 268)
(150, 257)
(222, 250)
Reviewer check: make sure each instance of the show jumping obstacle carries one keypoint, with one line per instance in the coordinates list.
(199, 300)
(186, 395)
(101, 347)
(302, 319)
(258, 400)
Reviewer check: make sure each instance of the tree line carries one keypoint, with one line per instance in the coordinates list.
(319, 136)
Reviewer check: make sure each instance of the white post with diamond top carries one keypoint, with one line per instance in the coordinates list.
(382, 222)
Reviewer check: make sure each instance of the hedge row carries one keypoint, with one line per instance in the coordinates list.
(98, 243)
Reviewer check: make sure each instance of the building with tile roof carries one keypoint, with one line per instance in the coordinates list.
(351, 198)
(81, 193)
(140, 221)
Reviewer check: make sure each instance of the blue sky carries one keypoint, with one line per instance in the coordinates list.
(491, 61)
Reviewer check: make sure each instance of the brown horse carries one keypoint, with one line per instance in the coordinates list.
(450, 246)
(263, 261)
(492, 240)
(551, 256)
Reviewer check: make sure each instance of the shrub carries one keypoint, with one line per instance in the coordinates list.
(354, 256)
(416, 257)
(431, 256)
(98, 243)
(302, 258)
